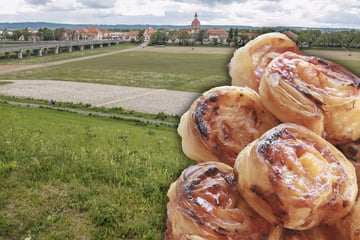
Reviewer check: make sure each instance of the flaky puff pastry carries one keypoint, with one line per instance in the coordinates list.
(248, 63)
(324, 232)
(204, 203)
(349, 226)
(351, 150)
(318, 94)
(221, 122)
(296, 179)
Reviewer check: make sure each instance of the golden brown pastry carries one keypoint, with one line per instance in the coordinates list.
(221, 122)
(324, 232)
(296, 179)
(248, 63)
(351, 150)
(315, 93)
(349, 226)
(204, 203)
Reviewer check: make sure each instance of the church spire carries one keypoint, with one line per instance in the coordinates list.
(195, 24)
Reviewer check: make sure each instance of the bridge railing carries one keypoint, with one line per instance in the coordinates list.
(16, 46)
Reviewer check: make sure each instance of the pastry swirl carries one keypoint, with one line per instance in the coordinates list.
(248, 63)
(351, 150)
(318, 94)
(204, 203)
(221, 122)
(323, 232)
(349, 226)
(296, 179)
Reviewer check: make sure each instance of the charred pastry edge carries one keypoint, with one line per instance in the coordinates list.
(200, 110)
(198, 115)
(211, 170)
(266, 141)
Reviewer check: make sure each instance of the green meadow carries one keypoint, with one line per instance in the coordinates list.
(68, 176)
(177, 71)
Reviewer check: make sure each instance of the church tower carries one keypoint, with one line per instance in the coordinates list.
(195, 24)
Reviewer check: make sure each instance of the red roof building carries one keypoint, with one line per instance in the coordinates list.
(215, 35)
(132, 36)
(147, 33)
(90, 33)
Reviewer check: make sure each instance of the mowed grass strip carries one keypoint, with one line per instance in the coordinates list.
(67, 176)
(176, 71)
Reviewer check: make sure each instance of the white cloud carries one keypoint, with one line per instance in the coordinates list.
(310, 13)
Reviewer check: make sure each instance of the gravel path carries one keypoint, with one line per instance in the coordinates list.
(131, 98)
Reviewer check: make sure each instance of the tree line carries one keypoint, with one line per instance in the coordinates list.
(237, 37)
(42, 34)
(306, 38)
(316, 38)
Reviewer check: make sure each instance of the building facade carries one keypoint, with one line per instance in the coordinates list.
(195, 25)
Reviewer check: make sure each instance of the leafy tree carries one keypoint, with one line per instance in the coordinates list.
(215, 41)
(6, 34)
(264, 30)
(236, 32)
(16, 35)
(26, 33)
(309, 36)
(231, 35)
(201, 35)
(141, 35)
(46, 34)
(183, 36)
(323, 40)
(242, 38)
(159, 37)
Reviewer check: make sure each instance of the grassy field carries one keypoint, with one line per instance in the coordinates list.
(66, 176)
(178, 71)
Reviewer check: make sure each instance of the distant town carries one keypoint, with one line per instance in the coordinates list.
(193, 34)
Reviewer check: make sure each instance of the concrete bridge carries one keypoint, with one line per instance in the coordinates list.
(19, 48)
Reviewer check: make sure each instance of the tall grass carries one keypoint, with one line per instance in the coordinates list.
(66, 176)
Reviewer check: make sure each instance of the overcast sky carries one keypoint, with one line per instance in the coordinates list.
(302, 13)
